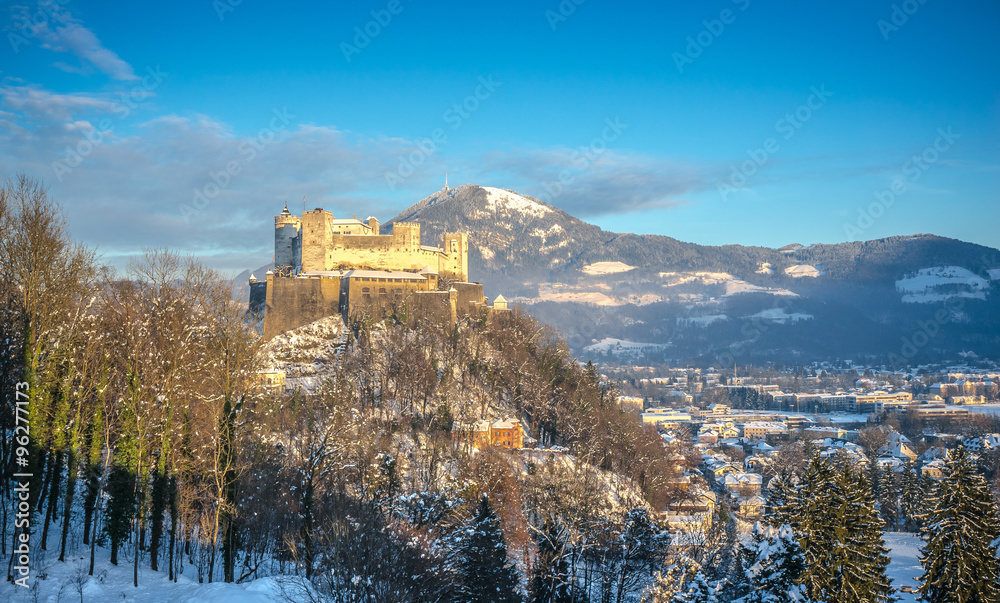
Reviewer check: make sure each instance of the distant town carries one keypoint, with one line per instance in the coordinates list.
(736, 435)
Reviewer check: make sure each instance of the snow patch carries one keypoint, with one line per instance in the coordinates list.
(497, 199)
(622, 346)
(765, 268)
(802, 270)
(702, 321)
(737, 287)
(940, 283)
(598, 268)
(486, 252)
(779, 315)
(994, 274)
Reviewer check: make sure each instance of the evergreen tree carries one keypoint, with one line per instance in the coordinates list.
(961, 532)
(889, 499)
(772, 572)
(487, 576)
(780, 490)
(699, 590)
(911, 499)
(840, 533)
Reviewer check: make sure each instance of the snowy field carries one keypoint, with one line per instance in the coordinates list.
(904, 548)
(941, 283)
(600, 268)
(64, 581)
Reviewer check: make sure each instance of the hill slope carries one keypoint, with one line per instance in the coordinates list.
(728, 303)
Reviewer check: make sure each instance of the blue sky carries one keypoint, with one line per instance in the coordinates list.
(189, 124)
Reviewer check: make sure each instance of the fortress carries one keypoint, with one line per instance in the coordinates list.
(325, 265)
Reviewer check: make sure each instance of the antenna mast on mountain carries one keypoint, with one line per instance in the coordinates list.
(446, 181)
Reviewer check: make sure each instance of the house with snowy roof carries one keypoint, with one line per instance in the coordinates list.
(934, 469)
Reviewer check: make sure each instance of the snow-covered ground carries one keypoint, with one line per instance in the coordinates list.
(64, 581)
(498, 200)
(702, 321)
(904, 549)
(941, 283)
(621, 346)
(779, 315)
(598, 268)
(802, 270)
(765, 268)
(734, 286)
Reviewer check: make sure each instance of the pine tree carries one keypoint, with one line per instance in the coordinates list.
(888, 501)
(487, 576)
(698, 590)
(780, 490)
(772, 572)
(911, 499)
(961, 531)
(840, 533)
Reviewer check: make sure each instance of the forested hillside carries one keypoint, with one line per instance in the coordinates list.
(152, 438)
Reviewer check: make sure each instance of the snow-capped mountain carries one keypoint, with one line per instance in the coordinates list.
(712, 303)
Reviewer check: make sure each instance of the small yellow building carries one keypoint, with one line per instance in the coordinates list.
(503, 433)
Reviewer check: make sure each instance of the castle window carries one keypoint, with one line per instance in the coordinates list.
(365, 290)
(381, 291)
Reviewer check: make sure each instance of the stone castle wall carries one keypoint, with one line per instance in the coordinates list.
(294, 302)
(363, 273)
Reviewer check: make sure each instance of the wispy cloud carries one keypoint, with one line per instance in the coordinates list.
(38, 104)
(61, 32)
(612, 182)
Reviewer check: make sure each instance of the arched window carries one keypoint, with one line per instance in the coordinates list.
(381, 290)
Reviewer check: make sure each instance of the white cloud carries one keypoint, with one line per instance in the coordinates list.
(135, 188)
(59, 31)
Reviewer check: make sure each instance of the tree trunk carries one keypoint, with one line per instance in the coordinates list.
(68, 502)
(172, 493)
(90, 501)
(156, 517)
(55, 471)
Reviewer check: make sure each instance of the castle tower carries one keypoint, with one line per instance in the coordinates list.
(456, 261)
(287, 239)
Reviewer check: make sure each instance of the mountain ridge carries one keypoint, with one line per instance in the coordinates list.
(557, 265)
